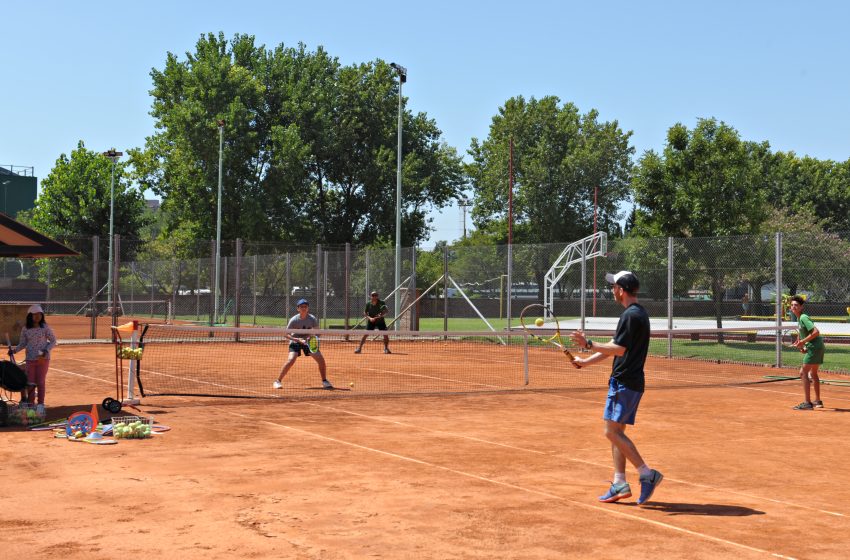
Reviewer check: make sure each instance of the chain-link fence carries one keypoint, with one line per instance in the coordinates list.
(714, 280)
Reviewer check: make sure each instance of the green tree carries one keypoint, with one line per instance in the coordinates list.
(75, 202)
(560, 157)
(707, 183)
(823, 186)
(309, 146)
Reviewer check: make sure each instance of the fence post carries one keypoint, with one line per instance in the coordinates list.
(288, 287)
(198, 293)
(779, 299)
(670, 271)
(116, 265)
(414, 318)
(509, 282)
(212, 282)
(445, 288)
(324, 322)
(254, 288)
(347, 282)
(237, 285)
(318, 278)
(95, 242)
(583, 296)
(368, 291)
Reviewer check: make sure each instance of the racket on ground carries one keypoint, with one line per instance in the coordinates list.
(536, 313)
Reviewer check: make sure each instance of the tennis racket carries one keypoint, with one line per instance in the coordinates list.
(313, 344)
(537, 313)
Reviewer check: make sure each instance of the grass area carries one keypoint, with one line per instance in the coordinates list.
(837, 355)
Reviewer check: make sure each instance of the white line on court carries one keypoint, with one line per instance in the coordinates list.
(568, 458)
(604, 510)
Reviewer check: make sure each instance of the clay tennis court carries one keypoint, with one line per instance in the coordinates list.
(495, 474)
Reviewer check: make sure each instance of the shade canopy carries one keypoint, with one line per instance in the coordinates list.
(18, 240)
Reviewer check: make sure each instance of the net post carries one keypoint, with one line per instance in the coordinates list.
(95, 242)
(779, 317)
(525, 355)
(670, 271)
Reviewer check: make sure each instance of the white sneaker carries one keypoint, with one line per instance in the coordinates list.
(277, 385)
(327, 384)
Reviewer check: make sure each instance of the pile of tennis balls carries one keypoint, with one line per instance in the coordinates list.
(130, 353)
(132, 430)
(25, 416)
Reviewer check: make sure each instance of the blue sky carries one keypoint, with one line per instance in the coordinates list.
(775, 70)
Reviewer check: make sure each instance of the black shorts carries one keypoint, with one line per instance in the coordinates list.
(297, 347)
(380, 324)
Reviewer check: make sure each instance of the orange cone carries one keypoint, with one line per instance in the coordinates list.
(94, 415)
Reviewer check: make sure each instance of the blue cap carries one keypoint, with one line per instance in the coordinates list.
(302, 301)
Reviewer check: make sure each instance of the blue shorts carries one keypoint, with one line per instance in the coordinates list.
(622, 403)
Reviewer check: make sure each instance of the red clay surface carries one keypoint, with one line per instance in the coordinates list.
(490, 475)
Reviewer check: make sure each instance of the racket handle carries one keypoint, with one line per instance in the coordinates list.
(572, 359)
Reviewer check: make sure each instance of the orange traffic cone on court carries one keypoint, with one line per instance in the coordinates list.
(94, 415)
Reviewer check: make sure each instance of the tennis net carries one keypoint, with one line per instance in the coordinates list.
(244, 362)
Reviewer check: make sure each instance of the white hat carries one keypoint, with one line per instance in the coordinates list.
(35, 308)
(626, 279)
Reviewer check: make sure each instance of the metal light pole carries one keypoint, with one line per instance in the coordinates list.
(402, 78)
(113, 155)
(218, 223)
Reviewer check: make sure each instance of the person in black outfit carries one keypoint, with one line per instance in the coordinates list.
(629, 347)
(374, 313)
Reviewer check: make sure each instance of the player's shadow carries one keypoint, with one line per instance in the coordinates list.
(715, 510)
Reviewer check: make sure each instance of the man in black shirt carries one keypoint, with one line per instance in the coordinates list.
(625, 387)
(374, 314)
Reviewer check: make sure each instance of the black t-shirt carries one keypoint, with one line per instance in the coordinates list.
(633, 335)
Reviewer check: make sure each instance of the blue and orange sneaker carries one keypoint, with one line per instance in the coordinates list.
(648, 484)
(616, 492)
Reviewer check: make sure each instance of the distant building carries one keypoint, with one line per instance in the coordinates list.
(18, 189)
(152, 204)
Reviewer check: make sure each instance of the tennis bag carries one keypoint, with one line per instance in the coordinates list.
(12, 378)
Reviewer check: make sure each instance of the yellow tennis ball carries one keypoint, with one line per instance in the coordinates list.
(538, 322)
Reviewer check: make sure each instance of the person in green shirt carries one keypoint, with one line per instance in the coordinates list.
(374, 313)
(810, 343)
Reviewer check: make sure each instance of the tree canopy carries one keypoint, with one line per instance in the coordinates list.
(560, 157)
(309, 146)
(75, 201)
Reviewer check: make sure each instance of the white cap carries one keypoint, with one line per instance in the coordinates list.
(626, 279)
(35, 308)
